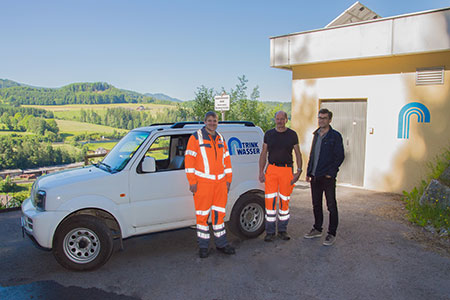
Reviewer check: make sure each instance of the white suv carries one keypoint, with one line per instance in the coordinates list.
(140, 187)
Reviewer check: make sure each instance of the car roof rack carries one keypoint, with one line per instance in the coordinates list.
(182, 124)
(161, 124)
(245, 123)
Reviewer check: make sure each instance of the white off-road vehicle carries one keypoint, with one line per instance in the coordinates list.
(139, 187)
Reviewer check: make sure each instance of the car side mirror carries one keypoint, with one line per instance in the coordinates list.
(149, 165)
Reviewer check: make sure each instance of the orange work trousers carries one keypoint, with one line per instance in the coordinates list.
(278, 185)
(211, 198)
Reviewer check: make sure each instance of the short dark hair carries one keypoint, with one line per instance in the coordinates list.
(326, 111)
(210, 114)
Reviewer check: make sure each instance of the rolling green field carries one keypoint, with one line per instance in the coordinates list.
(73, 110)
(54, 108)
(74, 127)
(67, 147)
(15, 132)
(95, 146)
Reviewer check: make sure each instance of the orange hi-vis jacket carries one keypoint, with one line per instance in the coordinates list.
(207, 159)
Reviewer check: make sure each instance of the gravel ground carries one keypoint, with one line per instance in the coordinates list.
(378, 255)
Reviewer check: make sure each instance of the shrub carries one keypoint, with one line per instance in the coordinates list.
(429, 214)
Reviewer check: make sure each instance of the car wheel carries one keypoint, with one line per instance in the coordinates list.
(247, 216)
(82, 243)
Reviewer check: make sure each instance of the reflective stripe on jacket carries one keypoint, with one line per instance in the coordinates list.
(206, 159)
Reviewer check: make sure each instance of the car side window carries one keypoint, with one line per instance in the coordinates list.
(168, 152)
(160, 148)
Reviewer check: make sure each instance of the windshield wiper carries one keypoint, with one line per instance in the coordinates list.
(108, 167)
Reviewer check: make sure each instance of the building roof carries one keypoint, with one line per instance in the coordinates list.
(416, 33)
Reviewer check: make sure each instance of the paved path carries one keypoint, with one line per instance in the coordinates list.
(375, 257)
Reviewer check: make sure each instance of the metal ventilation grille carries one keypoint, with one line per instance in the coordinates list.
(430, 76)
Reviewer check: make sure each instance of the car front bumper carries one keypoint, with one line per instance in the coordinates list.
(40, 226)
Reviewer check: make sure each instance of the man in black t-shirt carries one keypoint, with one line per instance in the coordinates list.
(279, 177)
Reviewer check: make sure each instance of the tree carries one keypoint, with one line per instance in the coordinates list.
(249, 108)
(5, 119)
(52, 126)
(203, 102)
(243, 107)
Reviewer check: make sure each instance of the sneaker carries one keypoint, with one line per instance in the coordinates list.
(203, 252)
(269, 237)
(314, 233)
(227, 250)
(329, 240)
(284, 236)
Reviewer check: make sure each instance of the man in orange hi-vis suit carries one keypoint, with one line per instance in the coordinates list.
(208, 170)
(279, 177)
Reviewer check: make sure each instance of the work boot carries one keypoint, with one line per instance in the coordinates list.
(269, 237)
(329, 240)
(203, 252)
(314, 233)
(284, 236)
(227, 250)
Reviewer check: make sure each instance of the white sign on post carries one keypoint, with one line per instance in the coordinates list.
(222, 103)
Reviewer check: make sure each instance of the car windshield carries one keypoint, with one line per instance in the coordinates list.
(119, 156)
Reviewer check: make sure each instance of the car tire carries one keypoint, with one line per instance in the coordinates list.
(247, 217)
(82, 243)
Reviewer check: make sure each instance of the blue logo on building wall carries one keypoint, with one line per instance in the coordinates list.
(413, 108)
(236, 147)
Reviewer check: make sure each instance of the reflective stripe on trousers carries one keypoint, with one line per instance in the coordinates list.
(211, 198)
(277, 185)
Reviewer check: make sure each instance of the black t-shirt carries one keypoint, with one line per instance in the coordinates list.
(280, 145)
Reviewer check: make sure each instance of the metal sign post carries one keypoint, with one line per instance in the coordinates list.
(222, 104)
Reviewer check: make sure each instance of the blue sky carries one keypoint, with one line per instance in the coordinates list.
(171, 47)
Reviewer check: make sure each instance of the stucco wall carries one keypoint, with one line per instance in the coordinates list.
(391, 164)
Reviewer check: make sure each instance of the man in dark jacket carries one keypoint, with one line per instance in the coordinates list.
(327, 154)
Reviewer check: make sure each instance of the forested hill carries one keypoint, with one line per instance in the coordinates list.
(5, 83)
(76, 93)
(160, 96)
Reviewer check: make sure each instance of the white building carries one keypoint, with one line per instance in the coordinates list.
(387, 81)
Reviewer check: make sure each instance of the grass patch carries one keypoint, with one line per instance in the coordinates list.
(74, 127)
(71, 110)
(15, 132)
(56, 108)
(72, 150)
(95, 146)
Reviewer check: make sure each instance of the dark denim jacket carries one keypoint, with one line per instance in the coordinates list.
(331, 154)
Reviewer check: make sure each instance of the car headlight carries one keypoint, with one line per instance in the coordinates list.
(39, 199)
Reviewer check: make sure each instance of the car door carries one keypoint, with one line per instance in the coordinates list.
(162, 197)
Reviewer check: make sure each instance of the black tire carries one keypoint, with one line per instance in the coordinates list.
(247, 217)
(82, 243)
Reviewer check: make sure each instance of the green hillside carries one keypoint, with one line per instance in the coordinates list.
(16, 94)
(5, 83)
